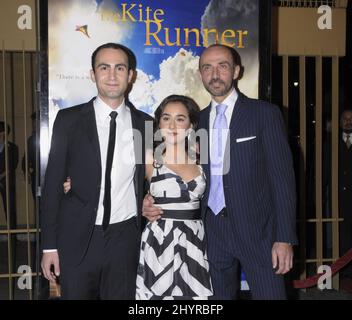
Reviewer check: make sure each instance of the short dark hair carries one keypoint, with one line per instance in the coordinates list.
(345, 111)
(132, 61)
(193, 113)
(236, 58)
(2, 127)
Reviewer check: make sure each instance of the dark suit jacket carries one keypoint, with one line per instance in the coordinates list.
(32, 145)
(345, 181)
(259, 187)
(68, 220)
(12, 164)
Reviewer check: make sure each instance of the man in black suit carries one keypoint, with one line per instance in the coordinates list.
(345, 188)
(32, 147)
(91, 235)
(248, 207)
(9, 176)
(12, 154)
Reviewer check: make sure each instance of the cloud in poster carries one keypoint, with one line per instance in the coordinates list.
(69, 68)
(178, 75)
(223, 15)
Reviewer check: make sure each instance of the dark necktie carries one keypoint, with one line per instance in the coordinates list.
(109, 158)
(348, 141)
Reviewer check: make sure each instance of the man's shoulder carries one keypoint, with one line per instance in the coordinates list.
(141, 114)
(258, 104)
(71, 114)
(76, 109)
(144, 115)
(205, 110)
(68, 117)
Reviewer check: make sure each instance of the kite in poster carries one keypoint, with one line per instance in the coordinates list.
(83, 29)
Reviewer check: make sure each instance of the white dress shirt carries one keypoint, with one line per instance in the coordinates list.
(123, 198)
(230, 102)
(344, 137)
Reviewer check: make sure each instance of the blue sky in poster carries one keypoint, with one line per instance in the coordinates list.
(178, 14)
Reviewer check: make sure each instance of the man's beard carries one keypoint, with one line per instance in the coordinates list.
(215, 92)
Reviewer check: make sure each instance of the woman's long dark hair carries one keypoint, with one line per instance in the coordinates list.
(193, 113)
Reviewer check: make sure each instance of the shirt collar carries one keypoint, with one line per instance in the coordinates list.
(229, 101)
(102, 110)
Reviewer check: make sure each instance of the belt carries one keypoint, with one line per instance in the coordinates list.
(181, 214)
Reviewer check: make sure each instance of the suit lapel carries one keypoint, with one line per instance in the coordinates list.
(138, 129)
(238, 119)
(90, 128)
(205, 124)
(138, 136)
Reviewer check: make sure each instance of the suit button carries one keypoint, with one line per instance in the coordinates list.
(344, 189)
(223, 213)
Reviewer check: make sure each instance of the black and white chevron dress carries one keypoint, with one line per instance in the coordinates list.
(173, 261)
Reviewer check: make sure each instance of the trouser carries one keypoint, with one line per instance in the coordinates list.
(225, 261)
(12, 212)
(108, 269)
(345, 234)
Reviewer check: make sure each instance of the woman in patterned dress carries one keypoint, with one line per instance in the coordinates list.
(173, 262)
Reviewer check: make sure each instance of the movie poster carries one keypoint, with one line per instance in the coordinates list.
(167, 37)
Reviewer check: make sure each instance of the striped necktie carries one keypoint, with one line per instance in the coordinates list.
(348, 141)
(216, 200)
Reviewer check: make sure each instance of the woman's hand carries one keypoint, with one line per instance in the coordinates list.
(67, 185)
